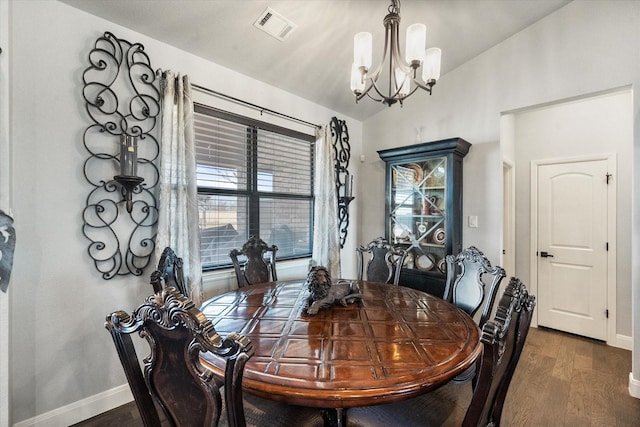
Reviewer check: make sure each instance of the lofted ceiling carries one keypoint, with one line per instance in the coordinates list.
(314, 61)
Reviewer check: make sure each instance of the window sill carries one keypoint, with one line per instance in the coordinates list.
(220, 281)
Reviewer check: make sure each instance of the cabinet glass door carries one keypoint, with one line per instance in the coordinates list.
(417, 217)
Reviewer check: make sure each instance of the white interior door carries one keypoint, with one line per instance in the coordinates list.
(572, 245)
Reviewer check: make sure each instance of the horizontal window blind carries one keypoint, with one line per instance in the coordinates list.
(284, 164)
(221, 153)
(253, 179)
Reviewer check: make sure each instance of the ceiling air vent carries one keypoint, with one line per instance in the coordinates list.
(274, 24)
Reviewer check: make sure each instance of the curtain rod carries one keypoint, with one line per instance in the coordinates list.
(257, 107)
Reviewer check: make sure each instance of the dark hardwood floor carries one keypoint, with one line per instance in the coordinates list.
(561, 380)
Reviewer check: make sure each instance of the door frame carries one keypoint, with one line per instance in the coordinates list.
(508, 255)
(611, 233)
(6, 198)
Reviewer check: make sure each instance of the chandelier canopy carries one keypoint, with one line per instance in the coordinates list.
(401, 73)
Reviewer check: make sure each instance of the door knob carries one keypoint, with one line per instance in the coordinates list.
(544, 254)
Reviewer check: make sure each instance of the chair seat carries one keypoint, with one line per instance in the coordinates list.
(445, 406)
(261, 412)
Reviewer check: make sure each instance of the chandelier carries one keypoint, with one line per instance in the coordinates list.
(401, 73)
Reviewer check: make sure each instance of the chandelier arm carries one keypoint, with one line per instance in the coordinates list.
(375, 99)
(372, 85)
(390, 70)
(395, 56)
(362, 94)
(409, 94)
(426, 86)
(387, 99)
(392, 24)
(382, 97)
(376, 73)
(390, 97)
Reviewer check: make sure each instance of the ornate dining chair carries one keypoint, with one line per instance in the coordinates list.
(177, 332)
(503, 338)
(169, 273)
(465, 285)
(384, 261)
(255, 262)
(466, 288)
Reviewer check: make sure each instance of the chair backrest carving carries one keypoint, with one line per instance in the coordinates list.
(169, 273)
(465, 286)
(255, 262)
(384, 261)
(503, 338)
(183, 388)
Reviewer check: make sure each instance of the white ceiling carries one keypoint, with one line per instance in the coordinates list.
(315, 61)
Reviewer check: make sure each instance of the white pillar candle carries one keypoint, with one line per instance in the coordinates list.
(348, 185)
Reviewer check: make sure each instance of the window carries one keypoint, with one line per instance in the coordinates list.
(254, 178)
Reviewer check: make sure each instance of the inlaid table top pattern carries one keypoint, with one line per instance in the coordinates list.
(395, 343)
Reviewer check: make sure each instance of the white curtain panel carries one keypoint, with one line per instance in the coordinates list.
(326, 241)
(178, 202)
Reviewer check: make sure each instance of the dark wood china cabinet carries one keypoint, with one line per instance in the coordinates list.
(423, 208)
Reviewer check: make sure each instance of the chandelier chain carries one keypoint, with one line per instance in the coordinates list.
(394, 7)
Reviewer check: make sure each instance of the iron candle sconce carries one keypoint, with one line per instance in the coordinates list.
(123, 105)
(344, 181)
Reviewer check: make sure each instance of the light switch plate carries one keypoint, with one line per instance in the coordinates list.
(473, 221)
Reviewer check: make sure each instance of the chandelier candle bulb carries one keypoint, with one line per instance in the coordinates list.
(357, 79)
(416, 44)
(403, 85)
(431, 69)
(128, 155)
(362, 50)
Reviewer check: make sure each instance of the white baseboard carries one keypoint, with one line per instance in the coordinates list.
(214, 283)
(82, 409)
(634, 386)
(622, 341)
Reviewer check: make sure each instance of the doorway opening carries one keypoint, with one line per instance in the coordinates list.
(593, 126)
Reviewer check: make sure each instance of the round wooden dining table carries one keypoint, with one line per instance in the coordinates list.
(395, 343)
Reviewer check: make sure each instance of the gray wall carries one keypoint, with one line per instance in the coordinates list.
(63, 363)
(584, 48)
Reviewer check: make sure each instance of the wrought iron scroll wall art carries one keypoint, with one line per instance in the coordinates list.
(123, 103)
(344, 181)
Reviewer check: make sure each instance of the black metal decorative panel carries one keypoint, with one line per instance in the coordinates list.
(123, 103)
(344, 181)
